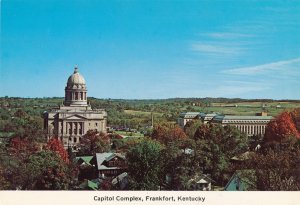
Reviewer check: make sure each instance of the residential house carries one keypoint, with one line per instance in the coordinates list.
(242, 180)
(86, 169)
(202, 182)
(109, 164)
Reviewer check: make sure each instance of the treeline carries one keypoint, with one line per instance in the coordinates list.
(163, 110)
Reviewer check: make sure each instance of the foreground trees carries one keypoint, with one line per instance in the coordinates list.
(215, 146)
(277, 165)
(27, 166)
(144, 165)
(46, 170)
(277, 169)
(93, 142)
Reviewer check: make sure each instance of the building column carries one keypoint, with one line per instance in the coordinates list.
(77, 128)
(66, 127)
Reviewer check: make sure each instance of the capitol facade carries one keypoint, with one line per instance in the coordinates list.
(75, 116)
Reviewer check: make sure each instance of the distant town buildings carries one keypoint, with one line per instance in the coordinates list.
(251, 125)
(75, 116)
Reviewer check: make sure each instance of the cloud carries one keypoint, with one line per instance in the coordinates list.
(215, 48)
(227, 35)
(252, 70)
(239, 88)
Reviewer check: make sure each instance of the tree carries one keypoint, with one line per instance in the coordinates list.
(215, 146)
(296, 118)
(55, 145)
(44, 170)
(47, 171)
(281, 128)
(191, 127)
(165, 133)
(21, 148)
(276, 170)
(4, 184)
(93, 142)
(178, 165)
(144, 165)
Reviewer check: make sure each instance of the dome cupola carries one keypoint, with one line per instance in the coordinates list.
(76, 78)
(75, 91)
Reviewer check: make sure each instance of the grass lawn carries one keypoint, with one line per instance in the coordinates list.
(131, 134)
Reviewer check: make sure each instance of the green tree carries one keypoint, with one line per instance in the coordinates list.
(94, 142)
(191, 127)
(46, 170)
(178, 166)
(217, 145)
(144, 163)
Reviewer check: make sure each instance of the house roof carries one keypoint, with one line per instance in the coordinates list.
(106, 156)
(86, 159)
(247, 176)
(190, 114)
(203, 178)
(238, 117)
(88, 184)
(92, 185)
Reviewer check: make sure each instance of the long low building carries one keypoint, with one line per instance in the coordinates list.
(252, 125)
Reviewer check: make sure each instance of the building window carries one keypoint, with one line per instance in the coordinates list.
(75, 139)
(96, 124)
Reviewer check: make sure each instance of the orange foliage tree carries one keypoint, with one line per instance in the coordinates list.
(55, 145)
(22, 148)
(281, 128)
(165, 133)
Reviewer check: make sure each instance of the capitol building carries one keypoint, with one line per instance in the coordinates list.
(75, 116)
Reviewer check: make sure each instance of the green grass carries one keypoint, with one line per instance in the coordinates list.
(142, 113)
(131, 134)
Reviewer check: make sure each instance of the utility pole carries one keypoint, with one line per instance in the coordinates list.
(152, 120)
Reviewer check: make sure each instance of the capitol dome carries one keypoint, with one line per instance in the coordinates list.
(75, 91)
(76, 78)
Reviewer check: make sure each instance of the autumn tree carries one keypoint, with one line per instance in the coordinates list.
(296, 118)
(46, 170)
(281, 128)
(55, 145)
(144, 165)
(165, 133)
(93, 142)
(21, 148)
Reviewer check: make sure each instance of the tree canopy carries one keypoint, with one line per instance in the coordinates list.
(281, 128)
(144, 161)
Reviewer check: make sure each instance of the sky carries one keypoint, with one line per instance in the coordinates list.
(152, 49)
